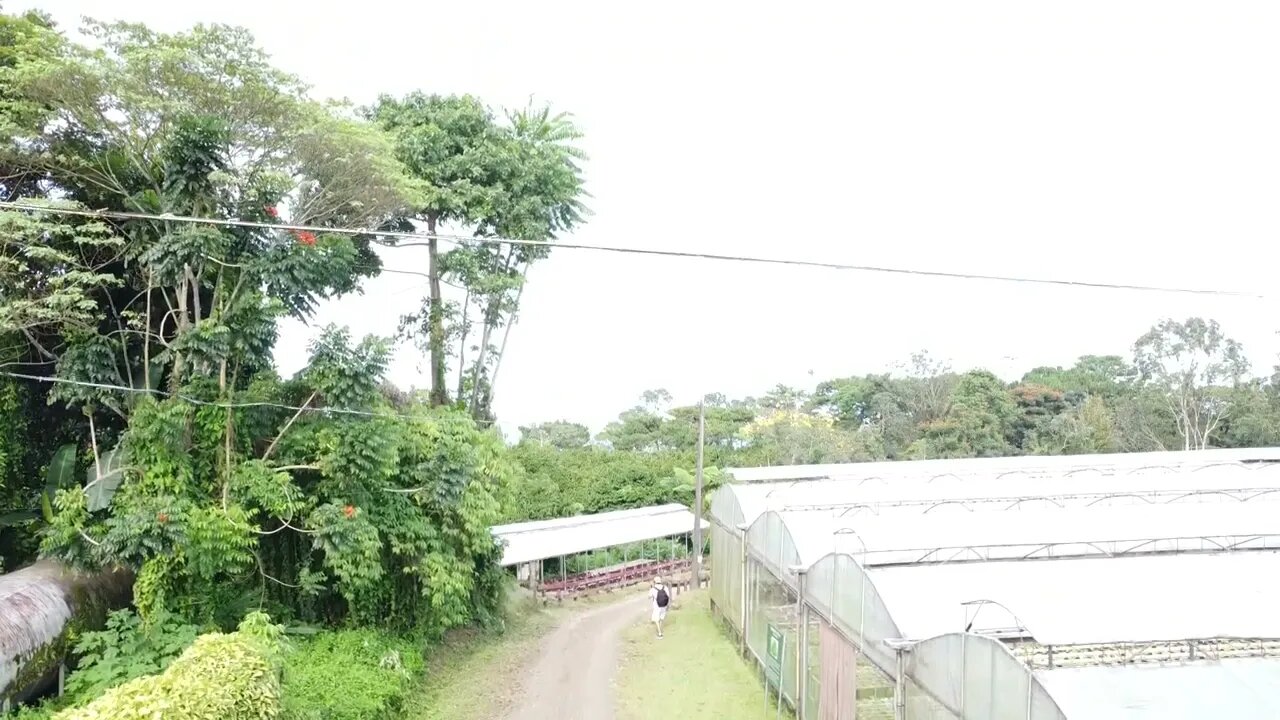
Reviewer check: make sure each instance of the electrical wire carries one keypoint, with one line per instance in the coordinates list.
(217, 404)
(680, 254)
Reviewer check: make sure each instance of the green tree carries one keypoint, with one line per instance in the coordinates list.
(1255, 416)
(560, 434)
(980, 422)
(1195, 368)
(791, 437)
(217, 498)
(520, 180)
(1106, 376)
(1086, 428)
(1038, 406)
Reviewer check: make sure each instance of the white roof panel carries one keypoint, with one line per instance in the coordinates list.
(1000, 464)
(543, 539)
(1244, 689)
(575, 520)
(1078, 485)
(1091, 601)
(1036, 534)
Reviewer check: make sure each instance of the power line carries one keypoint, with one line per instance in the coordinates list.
(681, 254)
(220, 405)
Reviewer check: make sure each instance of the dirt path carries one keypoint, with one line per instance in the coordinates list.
(572, 678)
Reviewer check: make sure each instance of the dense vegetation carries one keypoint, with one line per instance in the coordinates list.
(143, 426)
(1186, 386)
(136, 352)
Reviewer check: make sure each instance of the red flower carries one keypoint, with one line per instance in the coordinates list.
(349, 511)
(272, 211)
(162, 518)
(306, 238)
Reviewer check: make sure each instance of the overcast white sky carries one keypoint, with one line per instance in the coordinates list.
(1101, 140)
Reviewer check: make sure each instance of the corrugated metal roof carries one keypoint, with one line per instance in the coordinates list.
(544, 539)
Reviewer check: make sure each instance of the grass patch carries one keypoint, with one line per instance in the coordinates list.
(469, 676)
(694, 673)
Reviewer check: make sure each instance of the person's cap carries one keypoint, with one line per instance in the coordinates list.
(657, 580)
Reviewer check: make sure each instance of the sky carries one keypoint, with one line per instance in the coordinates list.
(1113, 141)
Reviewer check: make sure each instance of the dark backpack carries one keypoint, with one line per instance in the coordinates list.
(662, 598)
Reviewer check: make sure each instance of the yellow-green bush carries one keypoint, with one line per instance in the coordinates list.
(220, 677)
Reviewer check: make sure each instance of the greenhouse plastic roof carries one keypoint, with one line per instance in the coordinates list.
(1090, 601)
(544, 539)
(1058, 463)
(1105, 559)
(911, 538)
(1075, 486)
(1242, 689)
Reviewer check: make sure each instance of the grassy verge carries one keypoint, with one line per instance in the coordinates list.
(468, 677)
(693, 673)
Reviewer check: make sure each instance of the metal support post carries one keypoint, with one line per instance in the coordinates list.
(802, 647)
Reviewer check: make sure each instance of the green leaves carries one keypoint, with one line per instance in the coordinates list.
(62, 469)
(347, 376)
(50, 268)
(126, 649)
(103, 478)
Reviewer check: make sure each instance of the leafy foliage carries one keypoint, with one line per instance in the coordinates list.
(323, 515)
(350, 674)
(220, 677)
(517, 180)
(127, 649)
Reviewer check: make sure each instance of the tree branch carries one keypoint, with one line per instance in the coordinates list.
(285, 429)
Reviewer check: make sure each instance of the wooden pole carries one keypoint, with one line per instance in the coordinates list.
(697, 500)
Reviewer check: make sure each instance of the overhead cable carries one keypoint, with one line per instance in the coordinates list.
(679, 254)
(217, 404)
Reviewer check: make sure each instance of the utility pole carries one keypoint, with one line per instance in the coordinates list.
(697, 500)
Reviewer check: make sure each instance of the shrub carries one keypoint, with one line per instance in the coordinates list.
(220, 677)
(350, 674)
(127, 649)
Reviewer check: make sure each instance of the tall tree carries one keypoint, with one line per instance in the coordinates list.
(1194, 367)
(453, 145)
(519, 180)
(1106, 376)
(980, 422)
(560, 434)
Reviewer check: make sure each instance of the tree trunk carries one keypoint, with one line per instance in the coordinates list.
(490, 314)
(462, 346)
(439, 394)
(506, 335)
(39, 606)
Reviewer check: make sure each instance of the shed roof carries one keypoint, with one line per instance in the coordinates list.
(544, 539)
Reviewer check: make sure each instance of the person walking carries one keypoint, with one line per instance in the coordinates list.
(659, 600)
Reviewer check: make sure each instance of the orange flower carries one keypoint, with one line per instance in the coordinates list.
(306, 238)
(349, 511)
(162, 518)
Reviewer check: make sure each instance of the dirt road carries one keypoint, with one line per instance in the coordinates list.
(572, 678)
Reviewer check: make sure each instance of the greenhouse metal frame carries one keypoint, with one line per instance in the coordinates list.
(1010, 588)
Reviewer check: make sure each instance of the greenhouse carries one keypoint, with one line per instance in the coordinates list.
(1135, 586)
